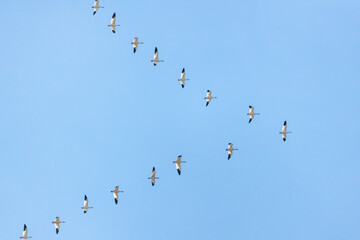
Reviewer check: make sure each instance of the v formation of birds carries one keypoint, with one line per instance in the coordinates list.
(230, 149)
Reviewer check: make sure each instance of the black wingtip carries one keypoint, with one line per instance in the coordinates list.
(179, 172)
(182, 85)
(183, 70)
(207, 103)
(114, 15)
(153, 168)
(134, 50)
(84, 212)
(24, 227)
(229, 156)
(180, 156)
(152, 184)
(284, 139)
(85, 197)
(285, 123)
(94, 13)
(154, 64)
(57, 231)
(113, 31)
(208, 90)
(156, 49)
(116, 201)
(250, 106)
(250, 120)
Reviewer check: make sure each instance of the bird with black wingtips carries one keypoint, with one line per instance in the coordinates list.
(251, 113)
(153, 177)
(182, 78)
(156, 57)
(135, 43)
(208, 97)
(284, 132)
(86, 204)
(116, 194)
(25, 232)
(178, 164)
(96, 6)
(230, 150)
(112, 23)
(57, 224)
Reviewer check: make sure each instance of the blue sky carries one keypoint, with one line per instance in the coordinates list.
(80, 114)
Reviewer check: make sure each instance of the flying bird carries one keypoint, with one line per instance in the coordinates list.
(112, 24)
(208, 97)
(96, 6)
(284, 132)
(25, 231)
(251, 113)
(178, 164)
(153, 177)
(182, 78)
(86, 205)
(116, 195)
(230, 150)
(156, 57)
(57, 224)
(135, 43)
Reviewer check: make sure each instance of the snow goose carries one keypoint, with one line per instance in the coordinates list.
(96, 6)
(182, 78)
(116, 195)
(25, 231)
(153, 177)
(86, 204)
(156, 57)
(284, 132)
(230, 150)
(208, 97)
(135, 43)
(251, 113)
(178, 164)
(112, 23)
(57, 224)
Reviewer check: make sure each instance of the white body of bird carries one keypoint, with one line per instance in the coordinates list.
(230, 150)
(135, 43)
(284, 132)
(57, 224)
(86, 205)
(116, 194)
(178, 164)
(182, 78)
(113, 24)
(156, 57)
(252, 113)
(208, 97)
(25, 232)
(153, 177)
(96, 6)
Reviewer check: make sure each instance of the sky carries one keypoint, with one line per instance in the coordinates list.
(80, 114)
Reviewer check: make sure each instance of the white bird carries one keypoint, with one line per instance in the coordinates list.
(116, 195)
(135, 43)
(178, 164)
(112, 23)
(96, 6)
(25, 231)
(251, 113)
(153, 177)
(156, 57)
(86, 205)
(230, 150)
(208, 97)
(57, 224)
(182, 78)
(284, 132)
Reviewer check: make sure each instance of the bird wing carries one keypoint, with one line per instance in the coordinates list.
(113, 19)
(153, 173)
(284, 127)
(116, 195)
(183, 74)
(113, 28)
(156, 54)
(208, 94)
(25, 231)
(96, 4)
(284, 137)
(251, 110)
(152, 181)
(178, 166)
